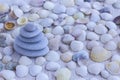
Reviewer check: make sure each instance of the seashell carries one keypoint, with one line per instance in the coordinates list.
(113, 67)
(117, 20)
(36, 3)
(9, 25)
(4, 8)
(61, 74)
(22, 20)
(33, 17)
(99, 54)
(3, 17)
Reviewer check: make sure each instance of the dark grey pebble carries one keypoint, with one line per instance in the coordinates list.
(117, 20)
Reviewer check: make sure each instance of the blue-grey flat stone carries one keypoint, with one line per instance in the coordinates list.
(34, 39)
(30, 27)
(29, 34)
(31, 53)
(32, 46)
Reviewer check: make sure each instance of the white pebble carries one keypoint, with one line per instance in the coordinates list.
(59, 9)
(93, 79)
(53, 16)
(71, 65)
(82, 36)
(92, 44)
(64, 48)
(24, 60)
(35, 70)
(8, 50)
(21, 70)
(48, 5)
(6, 59)
(67, 3)
(58, 30)
(8, 74)
(105, 38)
(105, 74)
(110, 1)
(43, 13)
(97, 5)
(92, 36)
(113, 78)
(113, 32)
(42, 76)
(1, 56)
(111, 25)
(50, 55)
(95, 68)
(67, 38)
(91, 25)
(76, 31)
(106, 16)
(40, 60)
(71, 11)
(76, 45)
(69, 20)
(111, 45)
(95, 17)
(100, 29)
(116, 57)
(46, 22)
(52, 66)
(82, 71)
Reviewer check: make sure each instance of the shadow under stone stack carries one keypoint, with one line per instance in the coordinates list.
(31, 41)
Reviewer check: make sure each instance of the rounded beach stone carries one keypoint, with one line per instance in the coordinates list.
(42, 76)
(71, 65)
(50, 55)
(114, 78)
(97, 5)
(48, 5)
(92, 44)
(110, 1)
(35, 70)
(116, 5)
(46, 22)
(93, 78)
(6, 59)
(61, 74)
(105, 38)
(92, 36)
(99, 54)
(115, 57)
(59, 8)
(64, 48)
(8, 74)
(69, 20)
(82, 71)
(95, 68)
(71, 10)
(66, 57)
(106, 16)
(111, 45)
(67, 38)
(91, 25)
(43, 13)
(113, 32)
(95, 17)
(76, 45)
(33, 17)
(111, 25)
(105, 74)
(82, 37)
(67, 3)
(52, 66)
(58, 30)
(21, 71)
(40, 60)
(113, 67)
(8, 50)
(25, 61)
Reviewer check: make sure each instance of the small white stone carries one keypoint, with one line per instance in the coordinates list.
(67, 3)
(78, 15)
(43, 13)
(95, 17)
(58, 30)
(21, 70)
(71, 11)
(105, 74)
(64, 48)
(52, 66)
(106, 16)
(40, 60)
(100, 29)
(25, 8)
(15, 32)
(8, 74)
(59, 9)
(97, 5)
(69, 20)
(66, 57)
(116, 5)
(82, 36)
(56, 41)
(8, 50)
(6, 59)
(113, 32)
(50, 55)
(81, 26)
(110, 1)
(24, 60)
(92, 44)
(48, 5)
(67, 38)
(33, 17)
(105, 38)
(116, 57)
(46, 22)
(9, 39)
(95, 68)
(49, 35)
(111, 25)
(1, 56)
(67, 29)
(76, 31)
(92, 36)
(111, 45)
(93, 79)
(53, 16)
(76, 45)
(71, 65)
(82, 71)
(42, 76)
(113, 78)
(35, 70)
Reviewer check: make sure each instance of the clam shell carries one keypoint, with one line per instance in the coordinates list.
(113, 67)
(4, 8)
(22, 21)
(9, 25)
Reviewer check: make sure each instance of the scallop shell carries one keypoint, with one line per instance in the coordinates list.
(99, 54)
(9, 25)
(33, 17)
(22, 21)
(113, 67)
(4, 8)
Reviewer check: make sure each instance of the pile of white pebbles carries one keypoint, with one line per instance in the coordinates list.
(83, 39)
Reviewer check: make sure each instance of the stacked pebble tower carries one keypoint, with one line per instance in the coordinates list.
(31, 41)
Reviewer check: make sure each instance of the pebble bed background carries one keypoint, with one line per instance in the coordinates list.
(83, 39)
